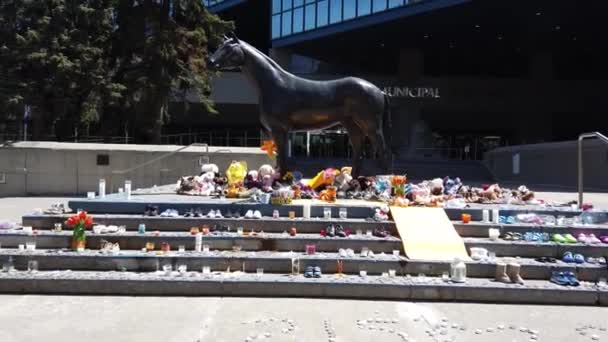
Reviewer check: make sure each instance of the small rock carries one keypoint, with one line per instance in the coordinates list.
(595, 337)
(290, 321)
(331, 339)
(592, 327)
(443, 332)
(490, 329)
(444, 319)
(381, 328)
(267, 334)
(376, 312)
(372, 327)
(478, 331)
(583, 333)
(522, 329)
(602, 328)
(370, 320)
(391, 330)
(244, 322)
(272, 319)
(580, 329)
(501, 327)
(533, 338)
(463, 328)
(416, 319)
(443, 325)
(248, 339)
(533, 332)
(285, 331)
(395, 321)
(431, 334)
(378, 320)
(454, 326)
(512, 327)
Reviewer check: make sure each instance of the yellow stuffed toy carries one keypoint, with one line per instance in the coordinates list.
(236, 176)
(325, 177)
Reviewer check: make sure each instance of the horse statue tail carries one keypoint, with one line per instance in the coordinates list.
(387, 126)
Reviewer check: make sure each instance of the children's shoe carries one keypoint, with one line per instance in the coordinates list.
(218, 214)
(579, 259)
(568, 257)
(513, 271)
(570, 239)
(249, 214)
(572, 280)
(591, 238)
(211, 214)
(309, 272)
(257, 215)
(340, 231)
(559, 238)
(582, 238)
(317, 272)
(559, 278)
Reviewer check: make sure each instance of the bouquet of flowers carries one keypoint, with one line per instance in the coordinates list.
(79, 223)
(398, 183)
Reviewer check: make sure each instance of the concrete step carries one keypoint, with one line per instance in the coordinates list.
(283, 285)
(219, 241)
(480, 229)
(280, 262)
(532, 249)
(267, 224)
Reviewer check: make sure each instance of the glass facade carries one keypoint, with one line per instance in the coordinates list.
(294, 16)
(210, 3)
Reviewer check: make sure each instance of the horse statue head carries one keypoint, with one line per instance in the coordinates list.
(228, 55)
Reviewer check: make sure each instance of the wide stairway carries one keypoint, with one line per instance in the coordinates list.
(269, 256)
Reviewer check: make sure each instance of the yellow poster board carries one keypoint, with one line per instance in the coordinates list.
(428, 234)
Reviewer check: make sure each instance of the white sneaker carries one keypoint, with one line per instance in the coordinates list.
(249, 214)
(257, 214)
(342, 252)
(174, 213)
(218, 214)
(211, 214)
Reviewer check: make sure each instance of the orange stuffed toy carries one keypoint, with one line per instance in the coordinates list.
(329, 194)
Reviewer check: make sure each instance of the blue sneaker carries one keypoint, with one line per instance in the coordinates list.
(579, 259)
(568, 257)
(572, 278)
(559, 278)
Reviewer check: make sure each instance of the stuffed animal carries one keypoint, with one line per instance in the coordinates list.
(206, 185)
(187, 185)
(210, 168)
(436, 187)
(342, 180)
(324, 178)
(381, 214)
(366, 183)
(266, 175)
(329, 194)
(252, 180)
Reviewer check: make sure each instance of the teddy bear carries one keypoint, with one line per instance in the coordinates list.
(252, 180)
(266, 175)
(342, 180)
(213, 168)
(206, 185)
(329, 194)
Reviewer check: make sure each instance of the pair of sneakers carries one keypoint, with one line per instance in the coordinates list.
(169, 213)
(564, 238)
(250, 214)
(335, 230)
(564, 278)
(573, 258)
(151, 210)
(588, 238)
(214, 214)
(312, 272)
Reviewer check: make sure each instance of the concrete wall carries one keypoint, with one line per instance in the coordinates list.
(48, 168)
(552, 164)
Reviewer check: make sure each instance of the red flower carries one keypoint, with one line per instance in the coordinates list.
(71, 221)
(82, 215)
(323, 233)
(88, 221)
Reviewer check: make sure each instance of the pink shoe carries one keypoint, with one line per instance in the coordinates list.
(593, 239)
(582, 238)
(604, 239)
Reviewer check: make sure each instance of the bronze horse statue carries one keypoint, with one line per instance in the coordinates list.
(291, 103)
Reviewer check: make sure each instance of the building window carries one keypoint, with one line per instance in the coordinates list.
(395, 3)
(322, 13)
(365, 7)
(335, 11)
(276, 26)
(379, 5)
(297, 3)
(276, 6)
(310, 18)
(298, 19)
(350, 9)
(286, 23)
(286, 5)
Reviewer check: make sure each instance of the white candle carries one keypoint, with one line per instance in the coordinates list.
(128, 189)
(486, 215)
(102, 188)
(306, 211)
(198, 242)
(496, 216)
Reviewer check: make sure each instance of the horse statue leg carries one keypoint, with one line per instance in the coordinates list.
(281, 139)
(357, 138)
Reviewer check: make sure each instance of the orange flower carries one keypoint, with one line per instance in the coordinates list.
(269, 147)
(399, 180)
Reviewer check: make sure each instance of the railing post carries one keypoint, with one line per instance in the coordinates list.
(580, 171)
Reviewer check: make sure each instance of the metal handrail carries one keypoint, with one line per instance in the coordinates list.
(122, 172)
(581, 137)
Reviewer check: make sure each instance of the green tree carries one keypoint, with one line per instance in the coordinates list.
(160, 50)
(55, 59)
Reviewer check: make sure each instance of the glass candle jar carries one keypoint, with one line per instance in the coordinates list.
(311, 249)
(275, 214)
(458, 271)
(292, 215)
(327, 213)
(496, 216)
(306, 211)
(198, 242)
(486, 216)
(102, 188)
(32, 266)
(128, 189)
(58, 227)
(466, 218)
(343, 213)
